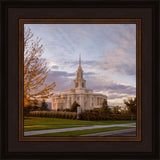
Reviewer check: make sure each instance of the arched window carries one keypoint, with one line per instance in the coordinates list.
(98, 101)
(82, 84)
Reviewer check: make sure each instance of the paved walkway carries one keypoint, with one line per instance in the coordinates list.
(124, 132)
(30, 133)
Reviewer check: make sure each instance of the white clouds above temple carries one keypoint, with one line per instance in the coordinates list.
(108, 53)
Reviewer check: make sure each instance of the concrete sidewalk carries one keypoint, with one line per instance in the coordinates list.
(30, 133)
(124, 132)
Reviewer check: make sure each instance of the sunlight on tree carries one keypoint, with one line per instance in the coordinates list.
(35, 70)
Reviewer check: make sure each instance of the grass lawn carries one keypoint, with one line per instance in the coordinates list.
(81, 132)
(38, 123)
(45, 127)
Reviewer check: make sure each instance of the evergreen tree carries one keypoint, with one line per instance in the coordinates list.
(105, 108)
(74, 106)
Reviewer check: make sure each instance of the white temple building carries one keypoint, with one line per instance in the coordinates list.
(85, 97)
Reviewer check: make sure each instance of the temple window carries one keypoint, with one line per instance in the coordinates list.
(83, 85)
(100, 101)
(76, 85)
(97, 101)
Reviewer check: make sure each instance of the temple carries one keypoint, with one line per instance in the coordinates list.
(85, 97)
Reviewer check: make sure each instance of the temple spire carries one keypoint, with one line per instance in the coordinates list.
(79, 82)
(80, 60)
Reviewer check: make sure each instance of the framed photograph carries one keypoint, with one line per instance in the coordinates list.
(80, 113)
(80, 78)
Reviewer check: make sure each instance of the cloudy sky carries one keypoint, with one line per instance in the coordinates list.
(108, 53)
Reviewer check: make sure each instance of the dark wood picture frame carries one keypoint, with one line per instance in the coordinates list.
(147, 146)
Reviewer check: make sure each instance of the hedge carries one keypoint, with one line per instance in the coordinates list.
(91, 116)
(53, 114)
(103, 116)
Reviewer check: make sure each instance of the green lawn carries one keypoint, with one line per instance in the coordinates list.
(45, 127)
(38, 123)
(81, 132)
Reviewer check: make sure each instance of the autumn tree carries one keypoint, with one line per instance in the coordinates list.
(35, 70)
(131, 105)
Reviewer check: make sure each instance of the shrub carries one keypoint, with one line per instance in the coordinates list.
(96, 109)
(67, 110)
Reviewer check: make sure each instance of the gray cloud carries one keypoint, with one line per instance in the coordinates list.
(114, 96)
(121, 89)
(61, 74)
(64, 80)
(110, 86)
(88, 73)
(55, 67)
(126, 69)
(66, 74)
(119, 61)
(74, 63)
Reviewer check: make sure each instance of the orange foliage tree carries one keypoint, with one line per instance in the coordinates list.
(35, 70)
